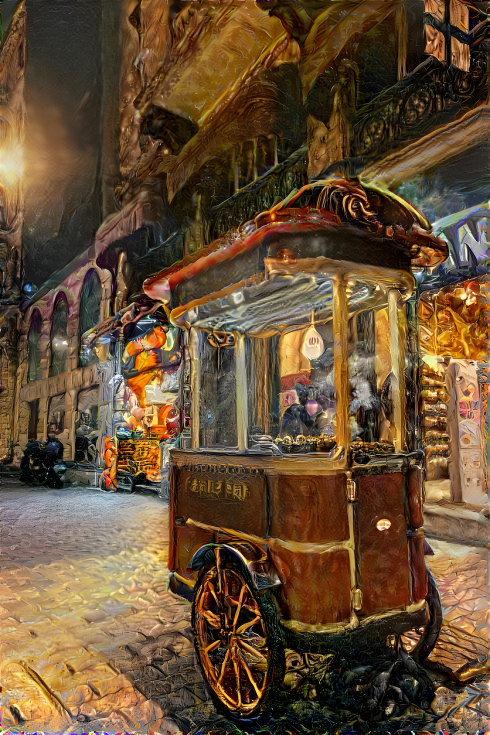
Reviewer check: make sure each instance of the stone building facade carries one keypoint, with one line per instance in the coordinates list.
(57, 381)
(12, 65)
(49, 394)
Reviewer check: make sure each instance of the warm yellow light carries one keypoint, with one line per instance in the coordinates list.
(383, 524)
(10, 166)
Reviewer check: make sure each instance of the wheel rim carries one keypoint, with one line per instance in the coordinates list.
(232, 639)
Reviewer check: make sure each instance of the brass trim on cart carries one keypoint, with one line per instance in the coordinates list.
(354, 623)
(320, 463)
(241, 392)
(398, 327)
(304, 547)
(340, 360)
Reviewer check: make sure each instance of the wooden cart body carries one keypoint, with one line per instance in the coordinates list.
(319, 535)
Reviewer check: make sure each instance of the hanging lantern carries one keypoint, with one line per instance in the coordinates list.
(313, 345)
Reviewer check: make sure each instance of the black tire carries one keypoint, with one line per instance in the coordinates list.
(245, 668)
(428, 638)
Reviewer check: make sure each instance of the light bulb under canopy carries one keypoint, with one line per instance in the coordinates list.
(313, 345)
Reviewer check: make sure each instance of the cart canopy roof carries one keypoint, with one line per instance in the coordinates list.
(327, 222)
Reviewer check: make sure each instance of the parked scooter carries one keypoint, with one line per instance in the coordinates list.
(42, 463)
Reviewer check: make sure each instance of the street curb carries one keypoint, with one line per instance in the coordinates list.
(457, 525)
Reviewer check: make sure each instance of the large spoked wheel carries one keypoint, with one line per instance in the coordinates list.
(420, 642)
(237, 639)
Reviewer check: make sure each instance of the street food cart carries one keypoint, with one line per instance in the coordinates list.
(295, 515)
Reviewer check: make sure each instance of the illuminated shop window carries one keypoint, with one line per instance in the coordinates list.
(90, 300)
(59, 337)
(33, 351)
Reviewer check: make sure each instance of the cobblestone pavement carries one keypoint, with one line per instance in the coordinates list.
(92, 641)
(91, 638)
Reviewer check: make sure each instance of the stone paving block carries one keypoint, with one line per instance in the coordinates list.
(155, 689)
(6, 593)
(122, 699)
(95, 616)
(180, 698)
(59, 680)
(103, 687)
(117, 639)
(147, 713)
(181, 646)
(80, 662)
(96, 638)
(114, 606)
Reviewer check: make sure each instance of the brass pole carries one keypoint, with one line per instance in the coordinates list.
(398, 331)
(241, 392)
(340, 357)
(195, 397)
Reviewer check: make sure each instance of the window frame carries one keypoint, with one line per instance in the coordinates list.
(85, 293)
(36, 315)
(60, 299)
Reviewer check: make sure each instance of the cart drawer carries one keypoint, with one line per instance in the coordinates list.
(309, 508)
(223, 499)
(385, 575)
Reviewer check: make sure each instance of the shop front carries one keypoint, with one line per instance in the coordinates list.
(453, 331)
(142, 418)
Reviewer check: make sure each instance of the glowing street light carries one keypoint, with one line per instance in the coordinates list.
(10, 166)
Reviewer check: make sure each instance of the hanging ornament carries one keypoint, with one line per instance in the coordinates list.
(313, 345)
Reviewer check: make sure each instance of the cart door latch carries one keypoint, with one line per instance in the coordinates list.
(351, 490)
(357, 599)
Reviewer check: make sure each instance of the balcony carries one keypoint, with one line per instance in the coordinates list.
(420, 102)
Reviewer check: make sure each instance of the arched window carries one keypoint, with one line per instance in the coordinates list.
(33, 351)
(59, 336)
(89, 314)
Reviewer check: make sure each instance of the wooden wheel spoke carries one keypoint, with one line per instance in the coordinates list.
(237, 679)
(250, 677)
(233, 644)
(239, 606)
(248, 625)
(223, 666)
(212, 619)
(252, 651)
(251, 608)
(210, 587)
(212, 646)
